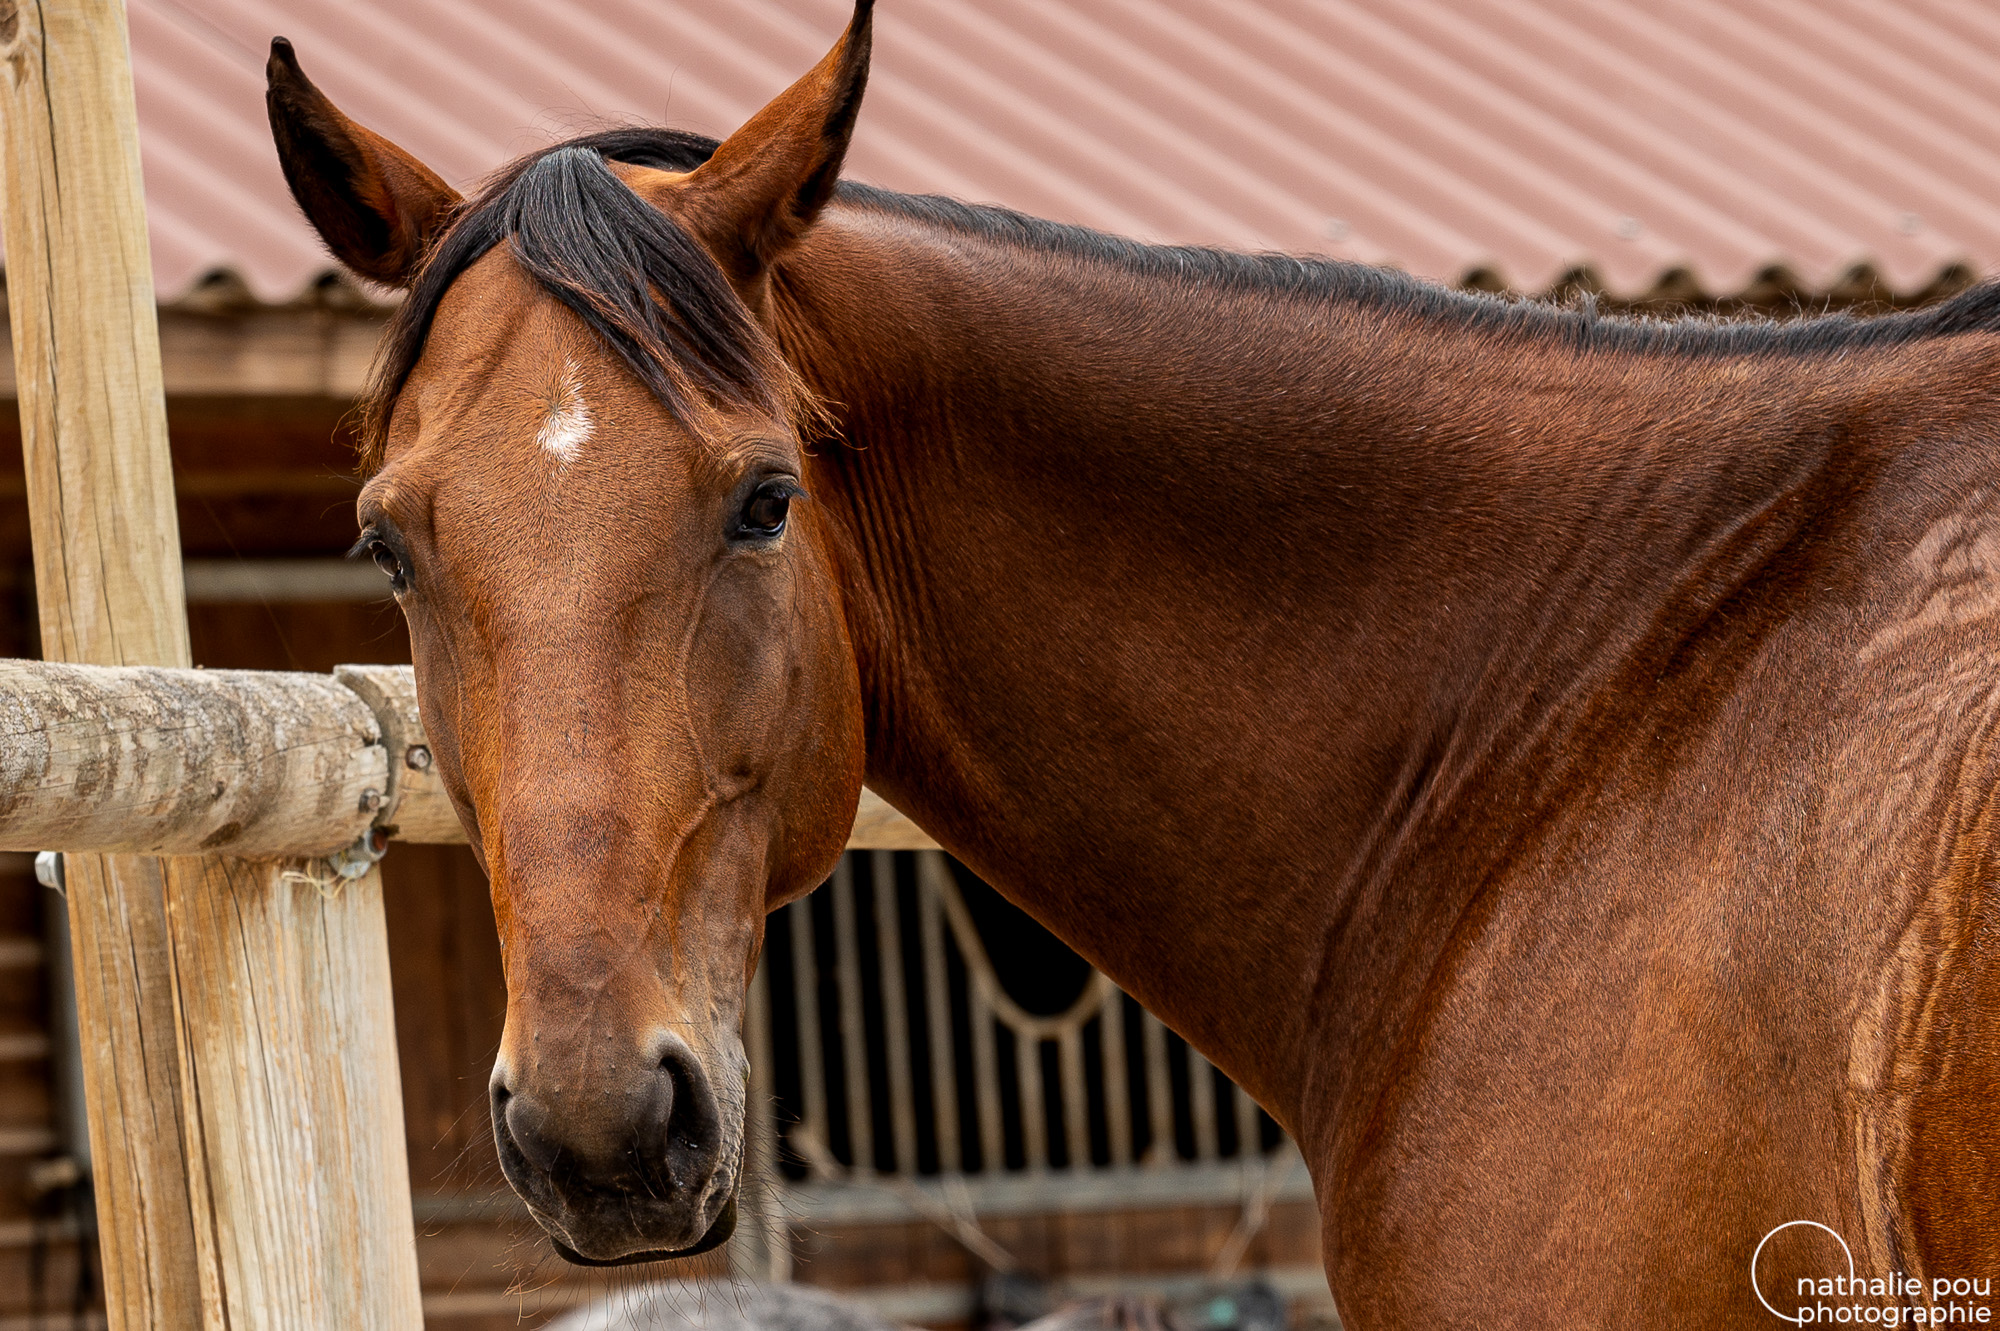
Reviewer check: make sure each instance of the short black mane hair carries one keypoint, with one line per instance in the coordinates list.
(644, 286)
(1316, 278)
(657, 299)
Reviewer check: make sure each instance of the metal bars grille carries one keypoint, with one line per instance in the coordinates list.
(894, 1049)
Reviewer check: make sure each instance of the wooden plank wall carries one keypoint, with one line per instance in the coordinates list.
(42, 1267)
(41, 1263)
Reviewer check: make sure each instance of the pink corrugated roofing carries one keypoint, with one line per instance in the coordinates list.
(1527, 138)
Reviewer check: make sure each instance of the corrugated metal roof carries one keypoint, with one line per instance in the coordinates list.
(1522, 139)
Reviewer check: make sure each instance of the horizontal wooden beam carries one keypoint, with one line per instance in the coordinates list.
(283, 581)
(305, 352)
(260, 764)
(143, 760)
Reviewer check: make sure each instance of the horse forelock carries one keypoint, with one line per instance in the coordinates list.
(647, 290)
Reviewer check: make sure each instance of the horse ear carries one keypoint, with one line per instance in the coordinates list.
(768, 181)
(376, 207)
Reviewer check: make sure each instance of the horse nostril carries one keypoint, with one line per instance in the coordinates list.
(526, 1125)
(673, 1068)
(681, 1121)
(498, 1094)
(658, 1114)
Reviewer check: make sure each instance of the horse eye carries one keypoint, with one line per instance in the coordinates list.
(385, 559)
(765, 511)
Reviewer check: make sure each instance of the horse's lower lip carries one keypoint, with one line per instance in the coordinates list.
(718, 1234)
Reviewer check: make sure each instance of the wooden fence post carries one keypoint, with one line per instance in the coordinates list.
(248, 1159)
(108, 581)
(302, 1191)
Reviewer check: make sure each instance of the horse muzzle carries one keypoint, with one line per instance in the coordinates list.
(621, 1165)
(718, 1233)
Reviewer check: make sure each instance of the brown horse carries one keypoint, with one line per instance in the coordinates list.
(1546, 759)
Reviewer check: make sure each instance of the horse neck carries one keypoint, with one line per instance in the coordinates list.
(1234, 636)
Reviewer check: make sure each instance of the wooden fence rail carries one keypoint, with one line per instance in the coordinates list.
(252, 763)
(185, 762)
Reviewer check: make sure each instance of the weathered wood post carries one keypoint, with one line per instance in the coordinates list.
(108, 580)
(245, 1111)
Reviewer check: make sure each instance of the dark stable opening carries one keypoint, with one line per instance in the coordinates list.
(1034, 968)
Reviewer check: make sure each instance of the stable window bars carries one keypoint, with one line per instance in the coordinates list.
(894, 1037)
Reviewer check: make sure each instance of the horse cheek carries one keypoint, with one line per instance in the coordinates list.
(771, 689)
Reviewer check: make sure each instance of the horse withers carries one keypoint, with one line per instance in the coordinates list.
(1547, 760)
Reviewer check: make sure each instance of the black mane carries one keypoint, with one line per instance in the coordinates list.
(644, 286)
(657, 299)
(1313, 278)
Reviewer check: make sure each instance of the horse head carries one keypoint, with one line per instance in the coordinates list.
(589, 494)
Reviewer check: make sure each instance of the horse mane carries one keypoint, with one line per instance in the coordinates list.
(645, 287)
(1317, 279)
(657, 299)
